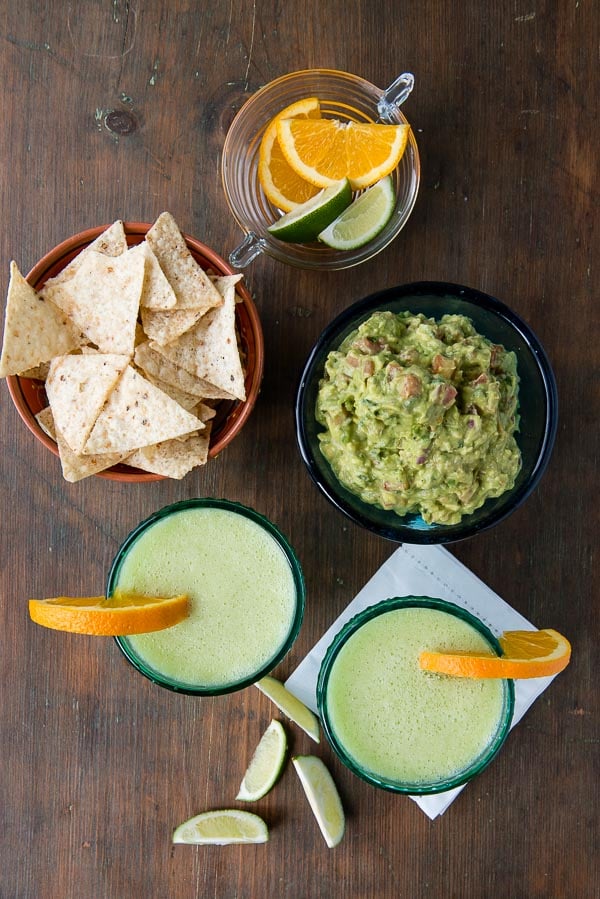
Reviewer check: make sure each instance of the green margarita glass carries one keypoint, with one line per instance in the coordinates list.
(245, 585)
(401, 728)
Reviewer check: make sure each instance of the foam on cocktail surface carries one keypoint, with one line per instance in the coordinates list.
(242, 591)
(400, 722)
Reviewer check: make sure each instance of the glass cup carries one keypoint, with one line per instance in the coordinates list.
(215, 563)
(344, 97)
(400, 722)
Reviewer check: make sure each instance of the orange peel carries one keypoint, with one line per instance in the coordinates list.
(118, 615)
(526, 654)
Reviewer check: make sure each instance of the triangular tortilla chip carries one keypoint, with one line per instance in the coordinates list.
(209, 350)
(77, 388)
(149, 358)
(173, 458)
(204, 412)
(188, 401)
(74, 467)
(39, 373)
(165, 326)
(112, 242)
(157, 293)
(138, 414)
(223, 282)
(77, 467)
(35, 330)
(192, 286)
(102, 299)
(45, 419)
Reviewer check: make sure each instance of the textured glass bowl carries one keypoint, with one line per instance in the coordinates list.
(538, 407)
(419, 788)
(279, 652)
(343, 96)
(29, 395)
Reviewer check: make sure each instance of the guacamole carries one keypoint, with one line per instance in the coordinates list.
(420, 415)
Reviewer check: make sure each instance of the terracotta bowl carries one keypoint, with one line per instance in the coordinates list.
(29, 395)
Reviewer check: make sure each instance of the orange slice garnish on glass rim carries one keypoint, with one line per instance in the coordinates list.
(281, 184)
(525, 654)
(120, 614)
(323, 151)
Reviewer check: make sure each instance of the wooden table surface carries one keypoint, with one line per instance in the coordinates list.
(97, 764)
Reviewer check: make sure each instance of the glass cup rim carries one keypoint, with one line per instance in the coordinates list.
(298, 577)
(383, 607)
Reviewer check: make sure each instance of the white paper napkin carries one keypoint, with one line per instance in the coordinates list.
(425, 571)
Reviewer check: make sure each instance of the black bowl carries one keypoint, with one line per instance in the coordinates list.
(538, 407)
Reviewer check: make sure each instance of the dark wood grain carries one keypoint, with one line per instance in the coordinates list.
(98, 765)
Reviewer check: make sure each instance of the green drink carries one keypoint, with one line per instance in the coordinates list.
(398, 726)
(246, 590)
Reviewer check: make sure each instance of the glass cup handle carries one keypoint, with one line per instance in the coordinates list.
(394, 96)
(251, 247)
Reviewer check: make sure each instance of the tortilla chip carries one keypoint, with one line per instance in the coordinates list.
(112, 242)
(35, 330)
(103, 297)
(45, 419)
(173, 458)
(39, 373)
(193, 288)
(77, 388)
(157, 293)
(187, 401)
(138, 414)
(75, 467)
(224, 282)
(204, 412)
(209, 350)
(149, 358)
(165, 326)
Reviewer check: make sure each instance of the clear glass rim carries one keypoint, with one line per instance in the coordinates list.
(297, 574)
(382, 608)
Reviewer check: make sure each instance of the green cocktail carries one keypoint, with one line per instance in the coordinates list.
(245, 585)
(397, 726)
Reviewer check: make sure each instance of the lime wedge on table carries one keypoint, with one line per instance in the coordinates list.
(322, 796)
(290, 705)
(220, 828)
(363, 219)
(265, 765)
(303, 223)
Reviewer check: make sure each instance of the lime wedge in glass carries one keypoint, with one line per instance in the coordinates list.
(363, 219)
(220, 828)
(322, 796)
(265, 765)
(290, 705)
(304, 223)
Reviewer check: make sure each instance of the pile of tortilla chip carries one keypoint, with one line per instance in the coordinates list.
(135, 345)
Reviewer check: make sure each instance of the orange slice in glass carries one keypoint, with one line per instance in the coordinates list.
(323, 151)
(525, 654)
(281, 184)
(121, 614)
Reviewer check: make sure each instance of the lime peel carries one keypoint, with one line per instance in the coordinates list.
(323, 797)
(303, 224)
(290, 705)
(221, 828)
(265, 765)
(363, 219)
